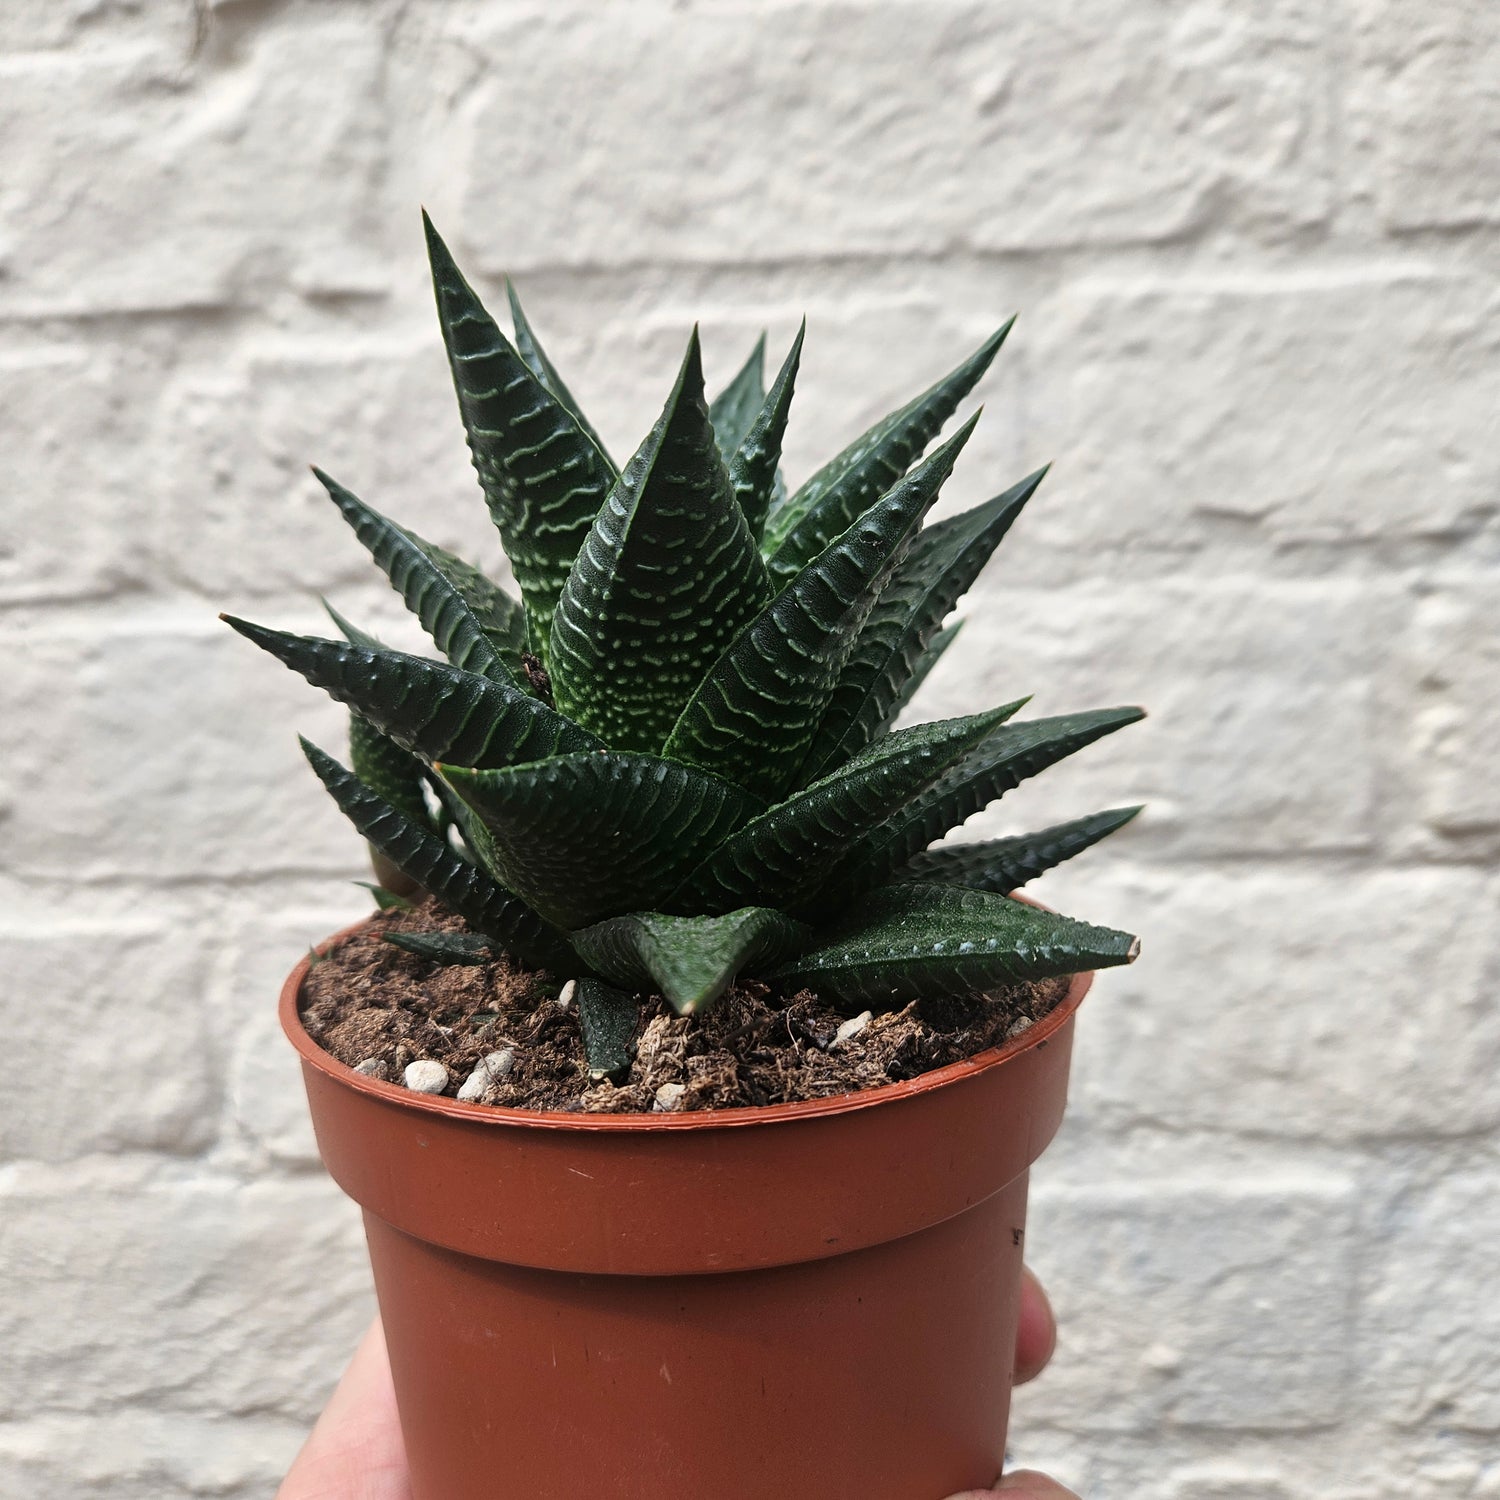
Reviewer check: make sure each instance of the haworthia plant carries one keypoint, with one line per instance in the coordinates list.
(670, 762)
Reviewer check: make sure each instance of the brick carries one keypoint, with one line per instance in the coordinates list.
(192, 1294)
(1452, 666)
(1322, 1007)
(1221, 763)
(1164, 1293)
(232, 207)
(48, 25)
(1192, 416)
(1357, 1461)
(62, 535)
(267, 1103)
(237, 442)
(165, 749)
(1229, 1480)
(1429, 1324)
(107, 1046)
(928, 128)
(1425, 102)
(144, 1455)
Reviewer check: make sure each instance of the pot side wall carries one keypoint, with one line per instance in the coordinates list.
(883, 1374)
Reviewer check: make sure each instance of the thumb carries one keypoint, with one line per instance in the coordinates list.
(1029, 1484)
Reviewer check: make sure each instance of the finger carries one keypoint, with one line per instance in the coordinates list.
(1021, 1486)
(355, 1452)
(1036, 1330)
(1034, 1486)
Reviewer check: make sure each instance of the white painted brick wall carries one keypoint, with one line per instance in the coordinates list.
(1254, 247)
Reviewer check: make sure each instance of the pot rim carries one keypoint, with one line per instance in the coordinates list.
(312, 1055)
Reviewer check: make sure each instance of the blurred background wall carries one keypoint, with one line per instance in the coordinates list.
(1254, 249)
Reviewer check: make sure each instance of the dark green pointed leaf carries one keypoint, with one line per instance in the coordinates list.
(844, 489)
(388, 770)
(427, 707)
(385, 900)
(529, 347)
(584, 837)
(755, 713)
(668, 577)
(427, 860)
(783, 856)
(608, 1019)
(1008, 756)
(471, 620)
(907, 942)
(543, 476)
(924, 664)
(444, 947)
(384, 767)
(350, 631)
(690, 961)
(734, 408)
(944, 561)
(753, 464)
(1005, 865)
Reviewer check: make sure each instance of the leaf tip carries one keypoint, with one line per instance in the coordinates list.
(945, 457)
(336, 492)
(439, 256)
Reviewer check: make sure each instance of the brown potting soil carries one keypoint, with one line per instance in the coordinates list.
(375, 1006)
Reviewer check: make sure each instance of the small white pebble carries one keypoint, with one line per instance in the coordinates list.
(370, 1067)
(425, 1076)
(566, 993)
(490, 1069)
(1020, 1024)
(668, 1097)
(851, 1028)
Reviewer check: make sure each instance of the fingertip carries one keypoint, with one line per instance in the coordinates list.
(1036, 1330)
(1034, 1486)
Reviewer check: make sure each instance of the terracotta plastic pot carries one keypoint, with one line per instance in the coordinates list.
(801, 1302)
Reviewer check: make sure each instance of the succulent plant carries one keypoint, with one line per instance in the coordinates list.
(671, 761)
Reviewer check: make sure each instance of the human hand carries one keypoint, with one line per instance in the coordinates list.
(1024, 1484)
(355, 1451)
